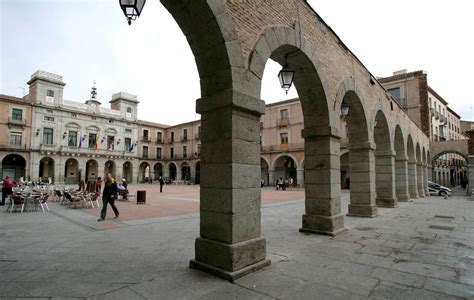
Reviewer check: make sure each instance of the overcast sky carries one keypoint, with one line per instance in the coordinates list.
(87, 40)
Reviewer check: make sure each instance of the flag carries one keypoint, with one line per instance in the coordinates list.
(96, 145)
(132, 148)
(80, 139)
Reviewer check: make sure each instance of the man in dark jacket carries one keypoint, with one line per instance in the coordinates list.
(108, 197)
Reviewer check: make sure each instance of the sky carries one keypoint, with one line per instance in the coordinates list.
(87, 40)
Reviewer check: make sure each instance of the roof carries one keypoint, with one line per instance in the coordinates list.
(282, 102)
(15, 99)
(453, 112)
(400, 76)
(437, 95)
(152, 124)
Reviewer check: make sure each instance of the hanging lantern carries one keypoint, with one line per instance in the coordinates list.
(286, 76)
(132, 9)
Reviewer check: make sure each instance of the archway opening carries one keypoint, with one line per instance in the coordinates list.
(109, 167)
(172, 170)
(158, 168)
(401, 167)
(284, 168)
(450, 169)
(46, 169)
(412, 170)
(144, 172)
(92, 170)
(127, 171)
(345, 171)
(71, 171)
(264, 172)
(13, 165)
(197, 176)
(185, 171)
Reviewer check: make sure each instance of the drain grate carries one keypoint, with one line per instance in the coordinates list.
(442, 227)
(444, 217)
(364, 228)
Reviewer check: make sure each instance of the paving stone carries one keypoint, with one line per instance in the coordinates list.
(375, 260)
(316, 291)
(428, 270)
(399, 277)
(450, 288)
(388, 290)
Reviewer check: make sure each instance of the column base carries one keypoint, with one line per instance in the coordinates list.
(229, 261)
(386, 202)
(325, 225)
(361, 210)
(227, 275)
(403, 197)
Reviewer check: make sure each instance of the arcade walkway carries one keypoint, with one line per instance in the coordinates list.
(422, 250)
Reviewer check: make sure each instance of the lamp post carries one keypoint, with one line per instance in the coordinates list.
(286, 76)
(345, 109)
(132, 9)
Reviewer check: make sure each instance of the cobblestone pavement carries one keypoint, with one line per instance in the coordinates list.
(420, 250)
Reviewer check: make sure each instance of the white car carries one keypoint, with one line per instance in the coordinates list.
(436, 189)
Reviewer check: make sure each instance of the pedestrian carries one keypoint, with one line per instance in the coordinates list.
(124, 183)
(98, 184)
(108, 197)
(7, 188)
(162, 182)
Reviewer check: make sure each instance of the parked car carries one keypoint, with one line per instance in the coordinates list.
(436, 189)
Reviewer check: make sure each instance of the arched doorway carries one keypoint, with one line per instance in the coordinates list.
(92, 170)
(412, 178)
(419, 172)
(46, 169)
(452, 168)
(401, 167)
(158, 168)
(127, 171)
(345, 171)
(144, 172)
(384, 163)
(185, 171)
(172, 170)
(13, 165)
(264, 169)
(284, 167)
(109, 167)
(197, 176)
(71, 171)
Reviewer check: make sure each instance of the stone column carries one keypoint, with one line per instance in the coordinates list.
(401, 179)
(420, 180)
(470, 175)
(230, 243)
(412, 180)
(362, 168)
(322, 187)
(271, 181)
(385, 179)
(300, 177)
(193, 175)
(425, 173)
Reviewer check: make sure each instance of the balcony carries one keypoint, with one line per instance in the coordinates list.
(145, 139)
(145, 155)
(282, 122)
(184, 138)
(283, 147)
(198, 136)
(87, 151)
(15, 121)
(437, 115)
(160, 141)
(170, 141)
(13, 146)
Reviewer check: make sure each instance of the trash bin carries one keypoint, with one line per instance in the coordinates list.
(141, 197)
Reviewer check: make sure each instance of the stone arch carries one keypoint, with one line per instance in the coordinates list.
(46, 169)
(265, 170)
(144, 171)
(71, 171)
(93, 128)
(438, 155)
(197, 172)
(401, 166)
(14, 165)
(158, 169)
(185, 169)
(172, 170)
(109, 167)
(412, 169)
(92, 170)
(284, 166)
(276, 158)
(127, 171)
(73, 125)
(384, 162)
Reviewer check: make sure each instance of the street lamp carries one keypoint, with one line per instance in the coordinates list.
(132, 9)
(345, 109)
(286, 76)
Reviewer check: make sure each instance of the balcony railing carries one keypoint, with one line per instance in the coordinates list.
(13, 146)
(88, 151)
(198, 136)
(145, 139)
(159, 141)
(14, 121)
(283, 147)
(283, 122)
(184, 138)
(145, 155)
(170, 141)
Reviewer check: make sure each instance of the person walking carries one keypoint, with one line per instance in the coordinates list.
(98, 184)
(162, 182)
(7, 188)
(108, 197)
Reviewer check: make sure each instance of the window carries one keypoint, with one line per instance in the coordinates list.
(92, 143)
(261, 139)
(172, 136)
(48, 119)
(48, 136)
(50, 93)
(158, 153)
(185, 151)
(110, 142)
(395, 93)
(128, 144)
(145, 134)
(15, 139)
(72, 138)
(129, 110)
(185, 134)
(284, 114)
(145, 152)
(284, 138)
(159, 136)
(199, 150)
(17, 114)
(199, 132)
(128, 130)
(171, 152)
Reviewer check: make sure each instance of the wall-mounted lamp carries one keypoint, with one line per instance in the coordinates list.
(102, 141)
(345, 107)
(64, 135)
(118, 142)
(37, 132)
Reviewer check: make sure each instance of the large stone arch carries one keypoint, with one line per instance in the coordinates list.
(412, 170)
(361, 150)
(419, 171)
(401, 166)
(276, 158)
(384, 162)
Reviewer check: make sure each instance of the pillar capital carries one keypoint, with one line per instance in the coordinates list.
(362, 146)
(401, 158)
(236, 100)
(320, 132)
(385, 153)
